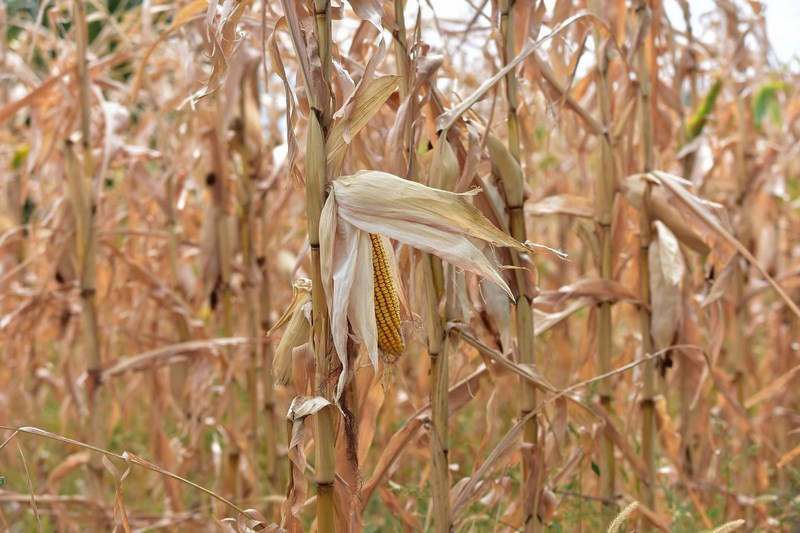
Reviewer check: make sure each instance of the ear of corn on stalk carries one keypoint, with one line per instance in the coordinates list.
(360, 211)
(387, 304)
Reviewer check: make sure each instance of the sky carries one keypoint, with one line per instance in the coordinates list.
(783, 22)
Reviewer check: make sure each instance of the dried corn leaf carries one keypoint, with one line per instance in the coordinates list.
(371, 10)
(699, 207)
(366, 104)
(562, 204)
(772, 389)
(446, 120)
(600, 290)
(666, 273)
(298, 318)
(688, 231)
(506, 169)
(297, 488)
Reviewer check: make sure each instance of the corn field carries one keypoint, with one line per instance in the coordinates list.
(383, 265)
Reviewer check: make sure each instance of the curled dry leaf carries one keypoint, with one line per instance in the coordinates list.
(689, 230)
(297, 487)
(444, 166)
(371, 10)
(297, 330)
(367, 100)
(562, 204)
(119, 504)
(600, 290)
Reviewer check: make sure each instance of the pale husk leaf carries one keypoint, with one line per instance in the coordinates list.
(453, 248)
(362, 299)
(562, 204)
(372, 192)
(338, 258)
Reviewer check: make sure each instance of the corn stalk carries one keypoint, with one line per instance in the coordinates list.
(178, 371)
(440, 480)
(246, 230)
(218, 181)
(645, 236)
(604, 203)
(267, 355)
(316, 174)
(84, 201)
(401, 47)
(404, 70)
(432, 272)
(739, 340)
(263, 261)
(687, 414)
(513, 185)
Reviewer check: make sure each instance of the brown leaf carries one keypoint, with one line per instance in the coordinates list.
(600, 290)
(562, 204)
(371, 10)
(772, 388)
(666, 274)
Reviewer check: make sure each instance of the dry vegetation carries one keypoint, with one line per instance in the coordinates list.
(166, 163)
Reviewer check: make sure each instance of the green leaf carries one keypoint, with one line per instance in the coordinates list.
(19, 157)
(698, 120)
(28, 209)
(765, 103)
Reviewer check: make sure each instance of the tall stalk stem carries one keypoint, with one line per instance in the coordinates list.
(267, 354)
(316, 177)
(246, 231)
(437, 351)
(604, 203)
(643, 14)
(532, 467)
(85, 204)
(739, 339)
(218, 181)
(404, 67)
(432, 272)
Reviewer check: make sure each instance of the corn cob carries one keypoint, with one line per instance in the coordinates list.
(387, 304)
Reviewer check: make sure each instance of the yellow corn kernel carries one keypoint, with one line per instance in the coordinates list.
(387, 304)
